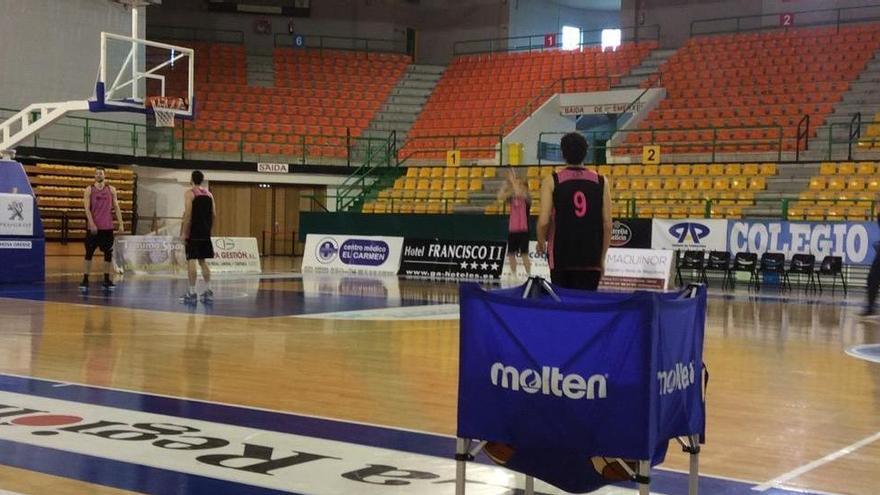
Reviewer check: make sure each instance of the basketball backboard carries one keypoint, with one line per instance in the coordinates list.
(135, 72)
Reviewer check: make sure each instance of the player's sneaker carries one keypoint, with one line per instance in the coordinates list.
(190, 298)
(108, 285)
(84, 286)
(208, 296)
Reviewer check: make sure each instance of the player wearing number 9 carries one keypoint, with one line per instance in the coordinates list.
(574, 227)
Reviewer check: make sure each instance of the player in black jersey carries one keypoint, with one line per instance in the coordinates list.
(574, 227)
(198, 219)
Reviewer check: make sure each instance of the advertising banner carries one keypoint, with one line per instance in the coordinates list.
(852, 241)
(16, 214)
(352, 254)
(159, 255)
(425, 258)
(690, 235)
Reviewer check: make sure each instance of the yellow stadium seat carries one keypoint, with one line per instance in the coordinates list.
(534, 186)
(490, 172)
(679, 212)
(682, 170)
(855, 184)
(670, 184)
(476, 172)
(435, 207)
(650, 170)
(866, 168)
(533, 172)
(738, 184)
(633, 170)
(733, 169)
(398, 184)
(716, 169)
(686, 184)
(828, 168)
(836, 184)
(461, 194)
(435, 194)
(658, 198)
(412, 172)
(436, 184)
(873, 185)
(462, 173)
(620, 184)
(757, 183)
(857, 213)
(406, 207)
(817, 184)
(437, 172)
(846, 168)
(425, 172)
(768, 169)
(604, 170)
(450, 173)
(637, 184)
(449, 185)
(661, 212)
(750, 169)
(815, 213)
(368, 207)
(824, 199)
(420, 208)
(653, 184)
(492, 209)
(475, 185)
(666, 170)
(704, 184)
(795, 213)
(697, 210)
(721, 184)
(699, 169)
(423, 185)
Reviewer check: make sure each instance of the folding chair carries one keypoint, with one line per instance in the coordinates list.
(693, 261)
(719, 261)
(804, 264)
(832, 266)
(748, 263)
(773, 263)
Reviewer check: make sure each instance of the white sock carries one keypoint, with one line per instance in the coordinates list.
(192, 289)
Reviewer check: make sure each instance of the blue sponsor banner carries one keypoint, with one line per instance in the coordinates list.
(563, 384)
(852, 241)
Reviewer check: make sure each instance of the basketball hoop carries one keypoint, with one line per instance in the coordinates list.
(165, 109)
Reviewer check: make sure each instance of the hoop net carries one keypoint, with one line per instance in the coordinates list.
(165, 109)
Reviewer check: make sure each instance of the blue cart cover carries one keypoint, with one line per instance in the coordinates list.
(564, 385)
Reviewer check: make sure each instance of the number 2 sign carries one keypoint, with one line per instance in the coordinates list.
(786, 20)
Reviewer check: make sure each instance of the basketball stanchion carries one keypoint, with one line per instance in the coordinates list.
(580, 389)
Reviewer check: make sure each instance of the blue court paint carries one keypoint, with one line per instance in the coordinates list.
(152, 480)
(252, 298)
(868, 352)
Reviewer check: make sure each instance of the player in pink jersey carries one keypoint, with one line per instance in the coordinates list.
(99, 200)
(515, 192)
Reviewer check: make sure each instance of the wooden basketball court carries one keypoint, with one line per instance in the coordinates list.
(367, 369)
